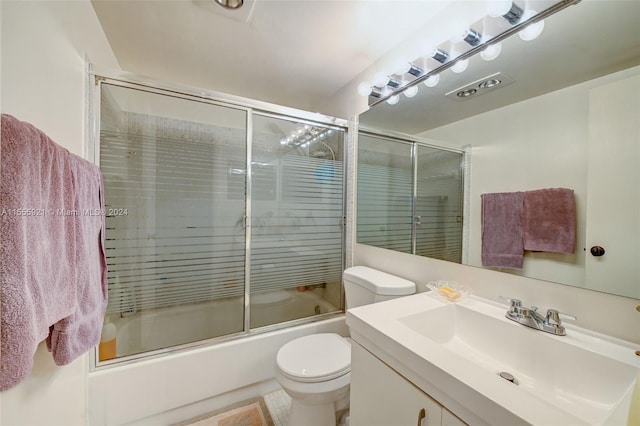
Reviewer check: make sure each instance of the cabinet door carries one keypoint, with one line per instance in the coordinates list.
(449, 419)
(382, 397)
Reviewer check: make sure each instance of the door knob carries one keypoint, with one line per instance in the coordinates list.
(597, 251)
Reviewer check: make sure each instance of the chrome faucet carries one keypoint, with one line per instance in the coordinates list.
(530, 317)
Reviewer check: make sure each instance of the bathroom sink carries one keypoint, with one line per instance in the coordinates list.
(461, 348)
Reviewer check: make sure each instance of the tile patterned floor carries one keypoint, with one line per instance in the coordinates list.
(278, 403)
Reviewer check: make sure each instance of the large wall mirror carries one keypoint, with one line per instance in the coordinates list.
(566, 115)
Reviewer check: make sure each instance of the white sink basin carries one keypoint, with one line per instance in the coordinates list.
(581, 378)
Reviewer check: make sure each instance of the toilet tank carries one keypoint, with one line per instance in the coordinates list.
(364, 285)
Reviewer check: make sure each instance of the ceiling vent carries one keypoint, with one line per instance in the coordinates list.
(480, 87)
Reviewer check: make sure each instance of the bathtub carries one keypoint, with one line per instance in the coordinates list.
(183, 384)
(154, 329)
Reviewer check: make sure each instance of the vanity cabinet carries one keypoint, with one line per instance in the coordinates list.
(382, 397)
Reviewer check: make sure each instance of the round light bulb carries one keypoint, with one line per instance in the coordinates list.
(364, 89)
(491, 52)
(460, 66)
(458, 28)
(380, 79)
(402, 67)
(411, 91)
(531, 31)
(393, 100)
(432, 81)
(496, 8)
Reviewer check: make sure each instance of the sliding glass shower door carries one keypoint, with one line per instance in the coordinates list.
(385, 193)
(439, 203)
(410, 197)
(297, 209)
(220, 219)
(175, 243)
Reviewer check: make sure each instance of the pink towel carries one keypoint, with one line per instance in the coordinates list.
(550, 220)
(502, 230)
(53, 269)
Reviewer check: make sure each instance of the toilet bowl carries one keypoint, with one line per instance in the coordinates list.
(315, 370)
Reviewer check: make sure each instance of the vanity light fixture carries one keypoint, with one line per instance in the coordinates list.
(491, 52)
(439, 55)
(472, 37)
(432, 80)
(527, 23)
(411, 91)
(508, 9)
(392, 100)
(531, 32)
(230, 4)
(460, 66)
(393, 83)
(380, 80)
(364, 89)
(407, 67)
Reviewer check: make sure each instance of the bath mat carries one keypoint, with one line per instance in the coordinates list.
(253, 412)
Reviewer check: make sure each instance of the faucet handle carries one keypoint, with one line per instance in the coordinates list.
(513, 303)
(554, 317)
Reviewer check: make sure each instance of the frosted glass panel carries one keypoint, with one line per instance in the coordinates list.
(439, 204)
(296, 230)
(385, 193)
(175, 243)
(410, 197)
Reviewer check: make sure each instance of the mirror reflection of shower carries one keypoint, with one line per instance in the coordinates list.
(312, 138)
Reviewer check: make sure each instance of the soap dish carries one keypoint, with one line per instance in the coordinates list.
(448, 291)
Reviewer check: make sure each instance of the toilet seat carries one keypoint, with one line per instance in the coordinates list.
(315, 358)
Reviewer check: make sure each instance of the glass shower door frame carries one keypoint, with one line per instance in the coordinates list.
(250, 108)
(416, 144)
(258, 115)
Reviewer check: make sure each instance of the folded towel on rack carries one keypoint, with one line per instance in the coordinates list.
(502, 230)
(52, 270)
(550, 220)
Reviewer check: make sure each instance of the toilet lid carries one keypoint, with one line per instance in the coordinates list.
(315, 358)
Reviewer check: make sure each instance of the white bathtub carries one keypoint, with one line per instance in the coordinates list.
(162, 328)
(184, 384)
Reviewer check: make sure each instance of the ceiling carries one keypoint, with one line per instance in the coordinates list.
(311, 54)
(296, 53)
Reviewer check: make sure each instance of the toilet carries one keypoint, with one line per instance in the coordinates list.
(315, 370)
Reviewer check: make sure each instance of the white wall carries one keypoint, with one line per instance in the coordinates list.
(44, 44)
(539, 143)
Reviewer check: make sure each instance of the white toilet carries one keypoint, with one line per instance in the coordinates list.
(315, 370)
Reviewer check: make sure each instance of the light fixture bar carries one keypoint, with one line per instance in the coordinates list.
(472, 37)
(415, 71)
(377, 97)
(394, 83)
(514, 14)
